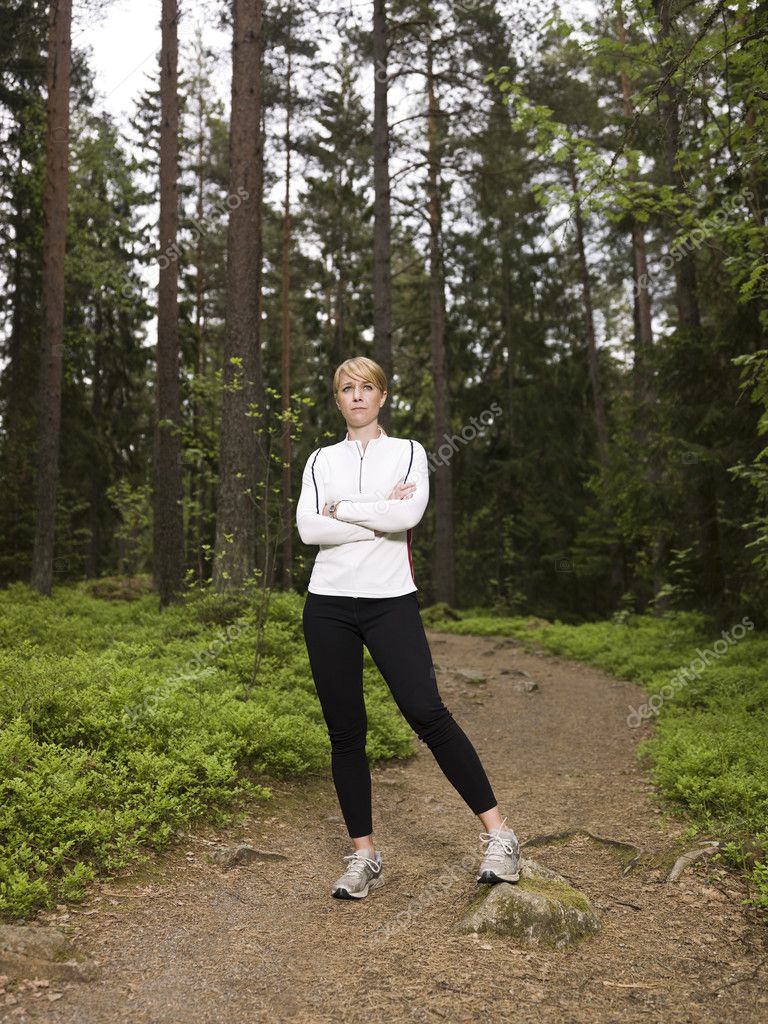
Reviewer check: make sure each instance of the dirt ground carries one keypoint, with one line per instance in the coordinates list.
(183, 941)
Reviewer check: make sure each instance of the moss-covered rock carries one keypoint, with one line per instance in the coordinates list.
(542, 909)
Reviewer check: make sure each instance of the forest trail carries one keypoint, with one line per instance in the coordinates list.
(183, 941)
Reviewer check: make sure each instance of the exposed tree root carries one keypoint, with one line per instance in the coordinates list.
(700, 853)
(552, 837)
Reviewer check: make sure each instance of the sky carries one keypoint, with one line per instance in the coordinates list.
(124, 42)
(124, 39)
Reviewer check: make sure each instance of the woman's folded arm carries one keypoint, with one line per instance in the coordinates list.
(391, 515)
(313, 526)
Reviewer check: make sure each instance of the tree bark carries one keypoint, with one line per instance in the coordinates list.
(443, 574)
(52, 298)
(96, 483)
(382, 227)
(286, 517)
(689, 328)
(688, 316)
(168, 526)
(598, 403)
(197, 489)
(642, 298)
(243, 399)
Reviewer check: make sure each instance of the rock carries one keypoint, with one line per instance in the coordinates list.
(542, 909)
(524, 686)
(236, 856)
(42, 952)
(471, 675)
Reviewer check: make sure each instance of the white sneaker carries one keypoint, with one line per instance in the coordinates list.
(501, 861)
(362, 875)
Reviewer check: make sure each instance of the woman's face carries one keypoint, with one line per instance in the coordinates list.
(359, 400)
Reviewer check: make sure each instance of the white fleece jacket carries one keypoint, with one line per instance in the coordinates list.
(352, 560)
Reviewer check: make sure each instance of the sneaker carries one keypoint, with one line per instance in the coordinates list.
(362, 874)
(501, 860)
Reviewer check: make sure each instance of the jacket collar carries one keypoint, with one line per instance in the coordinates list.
(354, 443)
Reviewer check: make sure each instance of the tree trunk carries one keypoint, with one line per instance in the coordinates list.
(20, 379)
(52, 298)
(589, 322)
(239, 462)
(197, 488)
(286, 517)
(688, 317)
(382, 227)
(97, 482)
(263, 562)
(443, 574)
(168, 527)
(689, 328)
(642, 298)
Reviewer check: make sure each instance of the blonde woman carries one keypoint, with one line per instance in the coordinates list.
(360, 501)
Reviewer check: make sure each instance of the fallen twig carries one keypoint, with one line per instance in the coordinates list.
(631, 984)
(623, 903)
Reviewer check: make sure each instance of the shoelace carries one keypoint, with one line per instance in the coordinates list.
(496, 844)
(358, 861)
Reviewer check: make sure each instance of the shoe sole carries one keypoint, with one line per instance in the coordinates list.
(344, 894)
(491, 876)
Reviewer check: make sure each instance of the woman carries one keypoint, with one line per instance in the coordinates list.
(360, 501)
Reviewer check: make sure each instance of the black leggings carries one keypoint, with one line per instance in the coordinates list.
(335, 629)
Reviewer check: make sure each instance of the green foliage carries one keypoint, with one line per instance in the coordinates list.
(435, 613)
(119, 724)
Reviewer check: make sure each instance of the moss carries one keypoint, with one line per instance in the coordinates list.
(538, 910)
(556, 892)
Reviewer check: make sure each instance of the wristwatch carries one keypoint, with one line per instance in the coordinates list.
(332, 508)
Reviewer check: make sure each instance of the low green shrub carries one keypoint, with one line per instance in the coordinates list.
(119, 724)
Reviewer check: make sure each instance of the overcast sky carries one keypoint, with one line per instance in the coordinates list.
(124, 40)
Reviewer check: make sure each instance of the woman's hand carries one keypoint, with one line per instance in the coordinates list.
(401, 490)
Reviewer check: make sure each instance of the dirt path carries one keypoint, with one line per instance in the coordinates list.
(186, 941)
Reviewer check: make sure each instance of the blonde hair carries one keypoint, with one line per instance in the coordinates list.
(363, 367)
